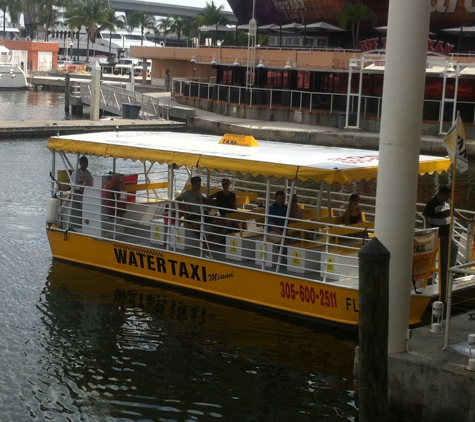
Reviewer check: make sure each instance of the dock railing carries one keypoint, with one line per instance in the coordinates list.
(112, 98)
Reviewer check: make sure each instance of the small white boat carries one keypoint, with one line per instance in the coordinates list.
(12, 76)
(128, 220)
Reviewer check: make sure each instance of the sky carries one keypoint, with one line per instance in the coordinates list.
(196, 3)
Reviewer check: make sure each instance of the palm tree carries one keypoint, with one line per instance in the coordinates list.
(179, 26)
(354, 14)
(14, 8)
(142, 20)
(44, 13)
(91, 14)
(191, 29)
(113, 22)
(165, 26)
(212, 15)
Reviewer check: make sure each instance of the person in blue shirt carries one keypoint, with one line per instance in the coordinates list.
(277, 215)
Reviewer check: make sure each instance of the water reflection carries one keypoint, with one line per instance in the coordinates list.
(125, 349)
(33, 105)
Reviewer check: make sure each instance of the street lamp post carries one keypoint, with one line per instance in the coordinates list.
(77, 51)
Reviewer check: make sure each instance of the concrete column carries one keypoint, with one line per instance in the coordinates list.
(401, 126)
(95, 91)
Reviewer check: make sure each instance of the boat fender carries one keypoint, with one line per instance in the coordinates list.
(52, 212)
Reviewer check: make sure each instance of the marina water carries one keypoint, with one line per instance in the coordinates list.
(84, 345)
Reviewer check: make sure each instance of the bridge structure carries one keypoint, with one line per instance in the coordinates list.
(161, 9)
(113, 98)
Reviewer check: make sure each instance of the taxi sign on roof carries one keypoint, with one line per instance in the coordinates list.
(241, 140)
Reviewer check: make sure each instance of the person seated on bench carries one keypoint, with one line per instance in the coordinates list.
(225, 200)
(192, 199)
(277, 215)
(296, 214)
(353, 214)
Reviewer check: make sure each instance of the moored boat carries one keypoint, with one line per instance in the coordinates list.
(128, 221)
(12, 76)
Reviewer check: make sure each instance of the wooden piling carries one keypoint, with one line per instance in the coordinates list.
(372, 382)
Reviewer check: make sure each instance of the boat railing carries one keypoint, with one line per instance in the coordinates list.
(315, 247)
(319, 250)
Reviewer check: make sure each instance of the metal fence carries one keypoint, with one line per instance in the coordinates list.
(112, 99)
(371, 106)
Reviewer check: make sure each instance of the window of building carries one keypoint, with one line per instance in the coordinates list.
(303, 81)
(274, 79)
(227, 77)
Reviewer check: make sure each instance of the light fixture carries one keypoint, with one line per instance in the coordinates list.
(236, 62)
(261, 63)
(288, 65)
(450, 67)
(193, 60)
(213, 61)
(353, 63)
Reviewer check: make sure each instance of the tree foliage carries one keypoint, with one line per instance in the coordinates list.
(14, 9)
(351, 15)
(142, 20)
(91, 14)
(165, 26)
(212, 15)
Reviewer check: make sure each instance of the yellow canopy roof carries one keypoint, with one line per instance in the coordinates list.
(281, 160)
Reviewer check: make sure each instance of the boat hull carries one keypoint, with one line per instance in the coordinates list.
(12, 77)
(323, 301)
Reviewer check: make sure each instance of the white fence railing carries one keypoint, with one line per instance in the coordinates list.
(113, 97)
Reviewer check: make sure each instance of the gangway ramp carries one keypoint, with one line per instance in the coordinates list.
(113, 97)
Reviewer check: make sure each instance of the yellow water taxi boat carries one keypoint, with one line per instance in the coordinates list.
(127, 220)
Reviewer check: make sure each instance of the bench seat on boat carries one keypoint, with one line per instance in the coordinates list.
(243, 217)
(241, 246)
(133, 188)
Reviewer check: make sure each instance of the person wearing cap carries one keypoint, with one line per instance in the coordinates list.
(437, 214)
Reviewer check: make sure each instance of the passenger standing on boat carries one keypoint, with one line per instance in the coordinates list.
(193, 199)
(277, 215)
(79, 178)
(353, 214)
(225, 200)
(437, 214)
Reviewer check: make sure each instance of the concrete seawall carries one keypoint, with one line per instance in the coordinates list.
(205, 121)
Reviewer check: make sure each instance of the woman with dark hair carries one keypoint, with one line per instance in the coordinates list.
(353, 214)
